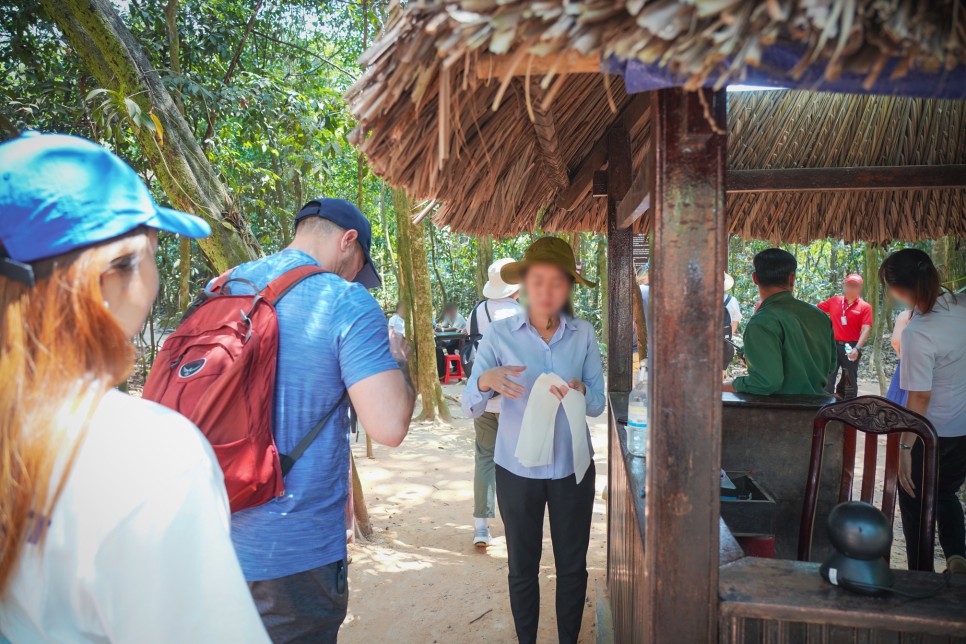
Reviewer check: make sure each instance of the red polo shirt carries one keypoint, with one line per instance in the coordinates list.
(847, 319)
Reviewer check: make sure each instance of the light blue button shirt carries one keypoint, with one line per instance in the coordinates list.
(571, 353)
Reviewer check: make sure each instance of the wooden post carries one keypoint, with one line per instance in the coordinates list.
(620, 321)
(684, 451)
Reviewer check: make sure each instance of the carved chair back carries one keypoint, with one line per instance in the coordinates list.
(874, 416)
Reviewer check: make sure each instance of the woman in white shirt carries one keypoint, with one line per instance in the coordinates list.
(114, 518)
(933, 372)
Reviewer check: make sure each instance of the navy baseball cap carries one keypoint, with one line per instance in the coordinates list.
(344, 214)
(59, 193)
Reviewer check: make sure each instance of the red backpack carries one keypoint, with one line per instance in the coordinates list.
(218, 369)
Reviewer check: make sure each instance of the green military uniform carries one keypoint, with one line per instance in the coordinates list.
(789, 348)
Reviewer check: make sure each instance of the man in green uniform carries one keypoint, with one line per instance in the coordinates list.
(789, 344)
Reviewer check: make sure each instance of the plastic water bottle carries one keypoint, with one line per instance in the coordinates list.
(637, 414)
(848, 351)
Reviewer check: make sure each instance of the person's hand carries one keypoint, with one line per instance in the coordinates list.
(905, 472)
(854, 355)
(498, 379)
(399, 346)
(559, 391)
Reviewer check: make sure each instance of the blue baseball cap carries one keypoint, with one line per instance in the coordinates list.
(59, 193)
(345, 215)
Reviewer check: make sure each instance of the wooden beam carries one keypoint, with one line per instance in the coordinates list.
(545, 130)
(491, 66)
(872, 178)
(620, 268)
(910, 177)
(582, 178)
(684, 442)
(637, 201)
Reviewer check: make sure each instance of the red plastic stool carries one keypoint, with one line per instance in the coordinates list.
(450, 375)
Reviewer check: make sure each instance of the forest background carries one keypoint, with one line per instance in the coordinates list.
(233, 109)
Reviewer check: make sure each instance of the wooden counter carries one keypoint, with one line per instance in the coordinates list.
(771, 436)
(764, 600)
(770, 600)
(625, 531)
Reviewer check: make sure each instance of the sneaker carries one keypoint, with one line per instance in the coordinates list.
(956, 565)
(482, 537)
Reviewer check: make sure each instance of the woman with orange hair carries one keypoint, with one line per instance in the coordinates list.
(113, 514)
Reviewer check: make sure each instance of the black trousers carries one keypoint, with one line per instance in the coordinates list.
(522, 502)
(451, 347)
(305, 608)
(848, 386)
(950, 520)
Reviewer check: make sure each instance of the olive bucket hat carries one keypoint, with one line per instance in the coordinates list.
(546, 250)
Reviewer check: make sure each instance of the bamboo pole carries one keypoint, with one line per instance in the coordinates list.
(359, 509)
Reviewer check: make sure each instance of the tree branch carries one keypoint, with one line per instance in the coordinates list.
(231, 68)
(305, 51)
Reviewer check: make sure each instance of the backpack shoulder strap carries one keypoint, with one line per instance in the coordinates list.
(474, 319)
(281, 285)
(219, 282)
(287, 461)
(486, 310)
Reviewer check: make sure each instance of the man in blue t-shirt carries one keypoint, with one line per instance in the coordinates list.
(333, 338)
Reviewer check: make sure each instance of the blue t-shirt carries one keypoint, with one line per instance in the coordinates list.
(332, 334)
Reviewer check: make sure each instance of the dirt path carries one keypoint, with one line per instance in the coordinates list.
(420, 579)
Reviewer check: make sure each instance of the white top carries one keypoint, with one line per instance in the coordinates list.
(934, 359)
(500, 309)
(458, 322)
(138, 547)
(734, 309)
(397, 324)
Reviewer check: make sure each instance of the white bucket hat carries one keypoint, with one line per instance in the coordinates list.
(729, 282)
(495, 288)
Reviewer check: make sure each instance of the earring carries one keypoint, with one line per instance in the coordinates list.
(107, 305)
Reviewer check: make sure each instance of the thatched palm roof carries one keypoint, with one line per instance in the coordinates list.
(475, 104)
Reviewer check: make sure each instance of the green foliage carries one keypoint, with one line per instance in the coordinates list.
(275, 128)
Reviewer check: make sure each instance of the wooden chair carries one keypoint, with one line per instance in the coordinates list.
(874, 416)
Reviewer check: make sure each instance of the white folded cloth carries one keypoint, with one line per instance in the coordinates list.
(535, 446)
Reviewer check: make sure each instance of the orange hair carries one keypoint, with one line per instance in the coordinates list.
(61, 350)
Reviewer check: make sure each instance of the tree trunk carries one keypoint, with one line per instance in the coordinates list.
(414, 271)
(113, 56)
(640, 323)
(174, 45)
(484, 257)
(950, 262)
(439, 280)
(423, 324)
(184, 274)
(602, 286)
(285, 222)
(385, 230)
(174, 60)
(873, 257)
(575, 246)
(359, 509)
(833, 264)
(210, 132)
